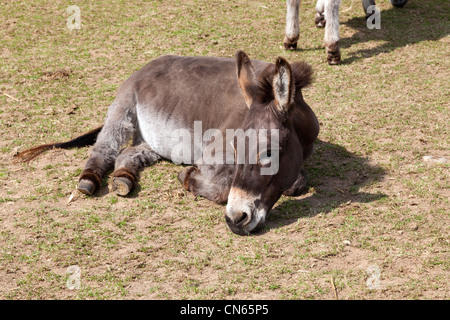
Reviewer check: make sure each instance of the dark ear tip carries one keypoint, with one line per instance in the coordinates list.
(281, 62)
(241, 56)
(239, 53)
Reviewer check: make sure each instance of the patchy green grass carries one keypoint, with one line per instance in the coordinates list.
(373, 200)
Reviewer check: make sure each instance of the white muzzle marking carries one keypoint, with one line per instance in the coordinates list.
(242, 201)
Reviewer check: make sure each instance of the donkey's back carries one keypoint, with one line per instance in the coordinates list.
(173, 92)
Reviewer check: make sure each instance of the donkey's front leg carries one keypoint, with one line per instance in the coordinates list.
(292, 24)
(331, 40)
(128, 164)
(299, 185)
(210, 182)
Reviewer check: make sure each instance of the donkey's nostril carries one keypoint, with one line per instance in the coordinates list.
(239, 221)
(241, 217)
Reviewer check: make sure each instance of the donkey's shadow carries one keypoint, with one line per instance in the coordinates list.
(335, 178)
(399, 27)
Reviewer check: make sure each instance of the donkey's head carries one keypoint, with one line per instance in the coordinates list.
(272, 164)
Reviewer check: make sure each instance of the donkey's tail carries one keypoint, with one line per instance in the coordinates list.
(84, 140)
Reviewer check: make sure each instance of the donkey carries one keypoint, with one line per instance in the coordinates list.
(173, 94)
(327, 15)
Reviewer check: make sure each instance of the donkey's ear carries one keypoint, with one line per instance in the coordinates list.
(246, 77)
(283, 85)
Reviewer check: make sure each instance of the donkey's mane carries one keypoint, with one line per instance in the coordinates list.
(303, 74)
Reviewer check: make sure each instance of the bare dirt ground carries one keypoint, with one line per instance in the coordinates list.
(373, 224)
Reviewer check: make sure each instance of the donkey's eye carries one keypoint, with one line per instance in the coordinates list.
(264, 158)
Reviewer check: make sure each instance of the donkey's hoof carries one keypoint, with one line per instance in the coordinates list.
(399, 3)
(184, 174)
(334, 59)
(86, 186)
(320, 20)
(122, 186)
(290, 44)
(333, 54)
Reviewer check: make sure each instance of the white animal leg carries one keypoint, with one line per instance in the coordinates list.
(331, 40)
(292, 24)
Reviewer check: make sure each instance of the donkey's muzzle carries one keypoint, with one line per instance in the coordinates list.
(238, 221)
(242, 214)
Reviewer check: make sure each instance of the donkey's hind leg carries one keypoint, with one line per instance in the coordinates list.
(212, 183)
(331, 39)
(118, 128)
(128, 164)
(292, 31)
